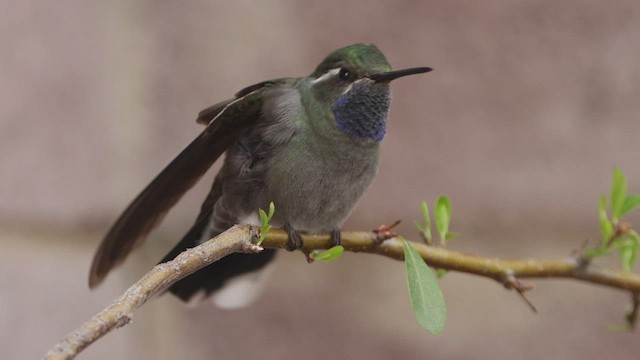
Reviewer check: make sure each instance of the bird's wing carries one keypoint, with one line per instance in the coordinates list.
(227, 121)
(205, 116)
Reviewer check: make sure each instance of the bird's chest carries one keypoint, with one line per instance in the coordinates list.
(315, 188)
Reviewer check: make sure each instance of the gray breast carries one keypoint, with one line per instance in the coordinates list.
(316, 187)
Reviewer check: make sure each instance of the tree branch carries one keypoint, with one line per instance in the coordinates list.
(500, 270)
(237, 239)
(242, 238)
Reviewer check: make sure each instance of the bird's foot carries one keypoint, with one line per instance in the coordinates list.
(295, 240)
(336, 237)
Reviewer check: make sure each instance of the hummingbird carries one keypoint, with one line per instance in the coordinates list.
(310, 145)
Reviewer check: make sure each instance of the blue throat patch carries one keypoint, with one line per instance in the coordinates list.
(363, 111)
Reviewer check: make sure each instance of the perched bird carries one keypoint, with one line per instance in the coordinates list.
(309, 144)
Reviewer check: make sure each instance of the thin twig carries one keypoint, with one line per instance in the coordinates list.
(632, 315)
(521, 287)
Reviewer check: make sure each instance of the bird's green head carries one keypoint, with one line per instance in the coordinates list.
(354, 82)
(359, 59)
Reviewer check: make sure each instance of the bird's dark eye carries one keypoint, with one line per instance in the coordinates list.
(344, 74)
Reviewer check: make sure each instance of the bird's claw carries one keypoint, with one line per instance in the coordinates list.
(336, 237)
(295, 240)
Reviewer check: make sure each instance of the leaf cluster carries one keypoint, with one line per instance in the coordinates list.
(425, 294)
(442, 217)
(264, 220)
(616, 234)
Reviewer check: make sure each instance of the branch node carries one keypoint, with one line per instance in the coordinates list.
(580, 254)
(123, 319)
(251, 248)
(512, 283)
(383, 232)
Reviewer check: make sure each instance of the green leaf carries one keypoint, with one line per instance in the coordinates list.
(272, 210)
(629, 250)
(425, 228)
(597, 251)
(426, 218)
(606, 226)
(618, 194)
(328, 255)
(441, 272)
(628, 255)
(450, 235)
(264, 220)
(631, 202)
(442, 217)
(424, 210)
(424, 291)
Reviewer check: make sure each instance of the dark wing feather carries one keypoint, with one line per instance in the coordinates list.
(205, 116)
(229, 121)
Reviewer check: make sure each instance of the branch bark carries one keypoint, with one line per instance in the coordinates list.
(500, 270)
(237, 239)
(242, 238)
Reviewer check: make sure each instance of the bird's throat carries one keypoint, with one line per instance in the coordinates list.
(362, 111)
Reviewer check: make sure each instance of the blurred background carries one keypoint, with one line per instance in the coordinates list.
(530, 106)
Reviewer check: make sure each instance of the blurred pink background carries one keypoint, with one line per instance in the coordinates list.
(530, 106)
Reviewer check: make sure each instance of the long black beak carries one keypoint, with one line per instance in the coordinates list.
(388, 76)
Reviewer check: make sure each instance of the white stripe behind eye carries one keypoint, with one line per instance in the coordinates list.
(329, 74)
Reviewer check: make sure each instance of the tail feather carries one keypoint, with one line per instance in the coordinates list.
(215, 276)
